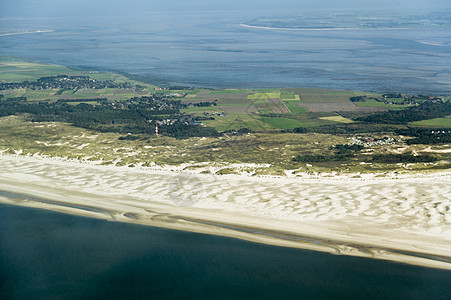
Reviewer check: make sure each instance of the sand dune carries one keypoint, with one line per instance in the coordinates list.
(406, 219)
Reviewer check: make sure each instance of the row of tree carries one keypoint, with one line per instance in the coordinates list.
(424, 111)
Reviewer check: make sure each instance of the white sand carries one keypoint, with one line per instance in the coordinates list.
(366, 217)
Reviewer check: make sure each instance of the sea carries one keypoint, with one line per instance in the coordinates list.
(217, 50)
(50, 255)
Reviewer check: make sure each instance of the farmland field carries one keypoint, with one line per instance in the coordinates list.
(264, 96)
(289, 96)
(222, 92)
(282, 123)
(437, 122)
(294, 107)
(339, 119)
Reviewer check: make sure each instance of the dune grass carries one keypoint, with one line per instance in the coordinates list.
(275, 150)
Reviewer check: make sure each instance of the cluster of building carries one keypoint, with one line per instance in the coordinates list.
(369, 141)
(65, 82)
(216, 114)
(166, 122)
(440, 131)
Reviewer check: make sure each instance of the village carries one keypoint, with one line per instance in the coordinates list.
(370, 141)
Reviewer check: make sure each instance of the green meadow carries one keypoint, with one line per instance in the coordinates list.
(437, 122)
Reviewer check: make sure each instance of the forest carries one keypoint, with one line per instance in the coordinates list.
(136, 115)
(423, 111)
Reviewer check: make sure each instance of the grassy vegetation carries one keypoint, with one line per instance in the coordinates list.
(437, 122)
(62, 140)
(294, 107)
(16, 70)
(200, 110)
(313, 95)
(289, 96)
(282, 123)
(264, 96)
(374, 103)
(222, 92)
(324, 98)
(253, 122)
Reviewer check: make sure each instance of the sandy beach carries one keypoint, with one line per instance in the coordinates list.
(405, 219)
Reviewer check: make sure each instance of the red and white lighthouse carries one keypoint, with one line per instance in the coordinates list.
(156, 129)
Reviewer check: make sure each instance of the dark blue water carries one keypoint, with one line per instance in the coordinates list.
(212, 50)
(48, 255)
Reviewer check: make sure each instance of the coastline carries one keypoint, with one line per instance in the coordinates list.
(318, 29)
(405, 219)
(297, 29)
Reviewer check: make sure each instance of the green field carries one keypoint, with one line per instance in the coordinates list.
(374, 103)
(315, 95)
(289, 96)
(233, 102)
(324, 98)
(16, 70)
(282, 123)
(438, 122)
(222, 92)
(198, 109)
(253, 122)
(294, 108)
(370, 103)
(264, 96)
(240, 120)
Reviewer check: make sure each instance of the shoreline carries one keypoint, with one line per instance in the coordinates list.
(359, 217)
(319, 29)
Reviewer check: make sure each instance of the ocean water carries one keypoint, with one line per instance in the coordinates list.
(213, 50)
(49, 255)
